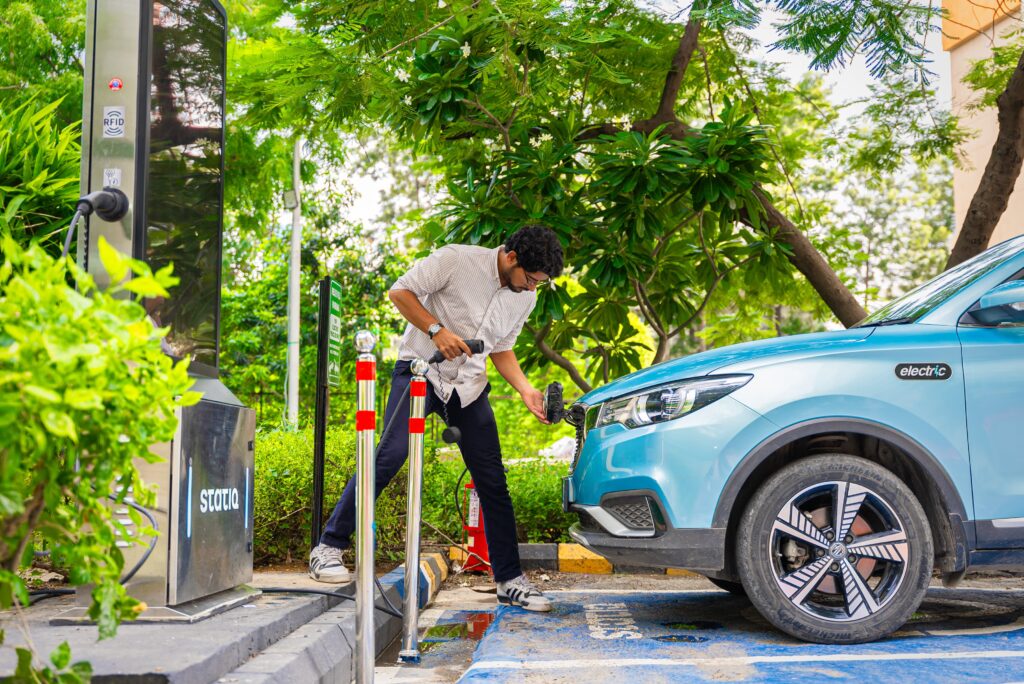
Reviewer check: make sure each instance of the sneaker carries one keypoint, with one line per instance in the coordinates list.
(521, 592)
(325, 565)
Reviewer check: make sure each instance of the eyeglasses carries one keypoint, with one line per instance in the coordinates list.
(530, 280)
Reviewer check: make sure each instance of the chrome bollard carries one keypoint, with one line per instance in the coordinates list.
(410, 652)
(366, 430)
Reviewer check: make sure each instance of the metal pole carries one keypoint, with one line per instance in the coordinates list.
(410, 603)
(366, 429)
(294, 267)
(322, 406)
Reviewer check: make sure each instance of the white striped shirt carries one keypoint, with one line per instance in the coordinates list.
(459, 285)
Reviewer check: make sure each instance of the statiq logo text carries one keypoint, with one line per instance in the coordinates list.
(923, 371)
(216, 500)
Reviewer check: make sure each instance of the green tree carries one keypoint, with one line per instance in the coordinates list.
(40, 57)
(653, 148)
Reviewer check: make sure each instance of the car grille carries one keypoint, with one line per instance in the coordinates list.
(633, 513)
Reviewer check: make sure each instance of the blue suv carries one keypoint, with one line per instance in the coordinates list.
(825, 475)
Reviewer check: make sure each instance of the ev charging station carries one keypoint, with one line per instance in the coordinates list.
(153, 128)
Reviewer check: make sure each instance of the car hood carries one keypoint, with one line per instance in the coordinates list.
(707, 362)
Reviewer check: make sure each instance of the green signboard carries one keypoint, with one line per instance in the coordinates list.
(334, 337)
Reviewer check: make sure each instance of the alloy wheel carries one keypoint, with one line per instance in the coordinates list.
(838, 551)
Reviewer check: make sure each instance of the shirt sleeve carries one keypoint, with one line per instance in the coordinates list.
(509, 341)
(429, 274)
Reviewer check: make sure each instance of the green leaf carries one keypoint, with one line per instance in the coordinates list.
(146, 287)
(41, 393)
(82, 398)
(115, 264)
(24, 670)
(61, 656)
(59, 423)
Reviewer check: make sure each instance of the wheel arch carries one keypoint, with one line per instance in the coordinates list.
(895, 451)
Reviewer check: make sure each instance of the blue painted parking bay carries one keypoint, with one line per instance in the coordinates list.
(638, 637)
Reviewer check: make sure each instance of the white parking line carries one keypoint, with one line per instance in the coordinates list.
(722, 662)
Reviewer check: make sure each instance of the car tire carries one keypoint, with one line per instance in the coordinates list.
(832, 579)
(734, 588)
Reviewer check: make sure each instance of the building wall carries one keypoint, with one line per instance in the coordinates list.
(970, 29)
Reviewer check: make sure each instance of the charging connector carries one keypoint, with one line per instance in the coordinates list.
(554, 406)
(110, 204)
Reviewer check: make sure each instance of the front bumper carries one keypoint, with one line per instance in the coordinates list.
(692, 549)
(622, 530)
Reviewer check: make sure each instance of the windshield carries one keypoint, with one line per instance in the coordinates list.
(920, 301)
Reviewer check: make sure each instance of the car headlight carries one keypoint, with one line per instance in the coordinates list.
(667, 402)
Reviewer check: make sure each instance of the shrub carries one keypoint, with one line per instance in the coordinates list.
(284, 489)
(284, 485)
(39, 171)
(84, 390)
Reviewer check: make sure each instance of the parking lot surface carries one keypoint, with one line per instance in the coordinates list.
(614, 633)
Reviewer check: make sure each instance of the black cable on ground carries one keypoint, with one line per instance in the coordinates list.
(386, 599)
(38, 595)
(324, 592)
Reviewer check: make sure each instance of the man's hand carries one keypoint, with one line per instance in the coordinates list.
(450, 344)
(534, 400)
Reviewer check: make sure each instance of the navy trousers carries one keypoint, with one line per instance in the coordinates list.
(481, 451)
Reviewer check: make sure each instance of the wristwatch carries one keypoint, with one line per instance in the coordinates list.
(434, 329)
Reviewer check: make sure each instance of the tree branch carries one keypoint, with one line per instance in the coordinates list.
(554, 357)
(597, 130)
(1000, 175)
(707, 295)
(646, 309)
(30, 517)
(666, 112)
(663, 240)
(674, 79)
(809, 261)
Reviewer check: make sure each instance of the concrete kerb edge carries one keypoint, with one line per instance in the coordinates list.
(572, 558)
(313, 648)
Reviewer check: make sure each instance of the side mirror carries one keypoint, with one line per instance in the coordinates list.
(1003, 304)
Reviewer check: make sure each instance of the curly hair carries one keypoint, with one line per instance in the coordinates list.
(537, 250)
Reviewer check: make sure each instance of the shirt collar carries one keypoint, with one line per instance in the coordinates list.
(494, 264)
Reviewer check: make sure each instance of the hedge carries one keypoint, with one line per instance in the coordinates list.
(284, 476)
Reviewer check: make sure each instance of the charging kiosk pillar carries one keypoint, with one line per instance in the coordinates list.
(153, 127)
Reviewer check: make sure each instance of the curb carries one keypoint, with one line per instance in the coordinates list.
(322, 650)
(573, 558)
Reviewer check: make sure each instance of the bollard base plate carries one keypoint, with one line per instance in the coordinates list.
(409, 656)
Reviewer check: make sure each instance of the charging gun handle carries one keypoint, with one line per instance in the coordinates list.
(475, 346)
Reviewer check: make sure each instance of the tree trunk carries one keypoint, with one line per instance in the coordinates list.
(663, 349)
(1000, 176)
(809, 261)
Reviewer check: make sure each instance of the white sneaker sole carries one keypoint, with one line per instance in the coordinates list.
(332, 579)
(536, 609)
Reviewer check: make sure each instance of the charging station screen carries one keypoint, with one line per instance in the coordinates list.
(184, 196)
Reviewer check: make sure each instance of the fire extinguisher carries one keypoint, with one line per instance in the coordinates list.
(473, 533)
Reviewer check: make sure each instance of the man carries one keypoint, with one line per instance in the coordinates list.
(461, 292)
